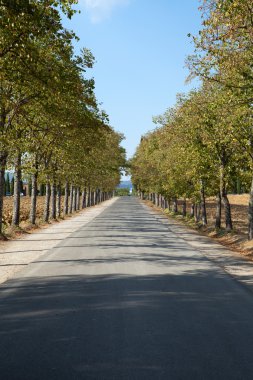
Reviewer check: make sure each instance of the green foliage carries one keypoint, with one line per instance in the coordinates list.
(48, 108)
(122, 192)
(206, 140)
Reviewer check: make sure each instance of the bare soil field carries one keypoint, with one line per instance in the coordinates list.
(239, 210)
(25, 225)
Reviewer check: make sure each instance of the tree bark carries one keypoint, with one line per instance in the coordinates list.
(58, 202)
(71, 199)
(196, 212)
(175, 205)
(3, 159)
(225, 201)
(34, 193)
(16, 193)
(199, 212)
(88, 197)
(184, 208)
(218, 211)
(78, 198)
(250, 212)
(84, 198)
(47, 202)
(75, 198)
(66, 199)
(192, 212)
(203, 205)
(53, 201)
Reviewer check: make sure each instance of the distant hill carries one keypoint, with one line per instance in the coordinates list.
(125, 185)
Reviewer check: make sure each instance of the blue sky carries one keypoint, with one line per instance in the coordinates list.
(140, 48)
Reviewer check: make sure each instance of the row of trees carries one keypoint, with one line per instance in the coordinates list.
(51, 128)
(204, 145)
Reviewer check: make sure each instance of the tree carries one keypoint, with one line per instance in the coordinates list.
(224, 54)
(7, 184)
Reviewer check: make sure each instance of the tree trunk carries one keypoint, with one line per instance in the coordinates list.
(88, 197)
(175, 205)
(218, 211)
(53, 201)
(184, 208)
(3, 159)
(225, 201)
(16, 193)
(192, 212)
(84, 198)
(75, 196)
(250, 212)
(66, 199)
(58, 202)
(47, 202)
(71, 199)
(203, 205)
(196, 212)
(34, 193)
(78, 198)
(199, 212)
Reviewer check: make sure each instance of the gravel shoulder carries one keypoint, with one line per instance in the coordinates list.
(18, 253)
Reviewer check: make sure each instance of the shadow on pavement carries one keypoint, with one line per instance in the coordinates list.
(126, 327)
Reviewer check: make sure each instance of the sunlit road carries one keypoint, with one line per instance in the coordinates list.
(125, 298)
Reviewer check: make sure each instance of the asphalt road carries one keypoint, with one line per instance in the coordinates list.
(125, 298)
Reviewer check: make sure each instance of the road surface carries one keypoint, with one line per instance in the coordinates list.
(125, 298)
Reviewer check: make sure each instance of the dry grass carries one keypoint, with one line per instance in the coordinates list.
(239, 210)
(25, 225)
(24, 208)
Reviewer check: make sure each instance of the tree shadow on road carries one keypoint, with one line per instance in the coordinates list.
(194, 325)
